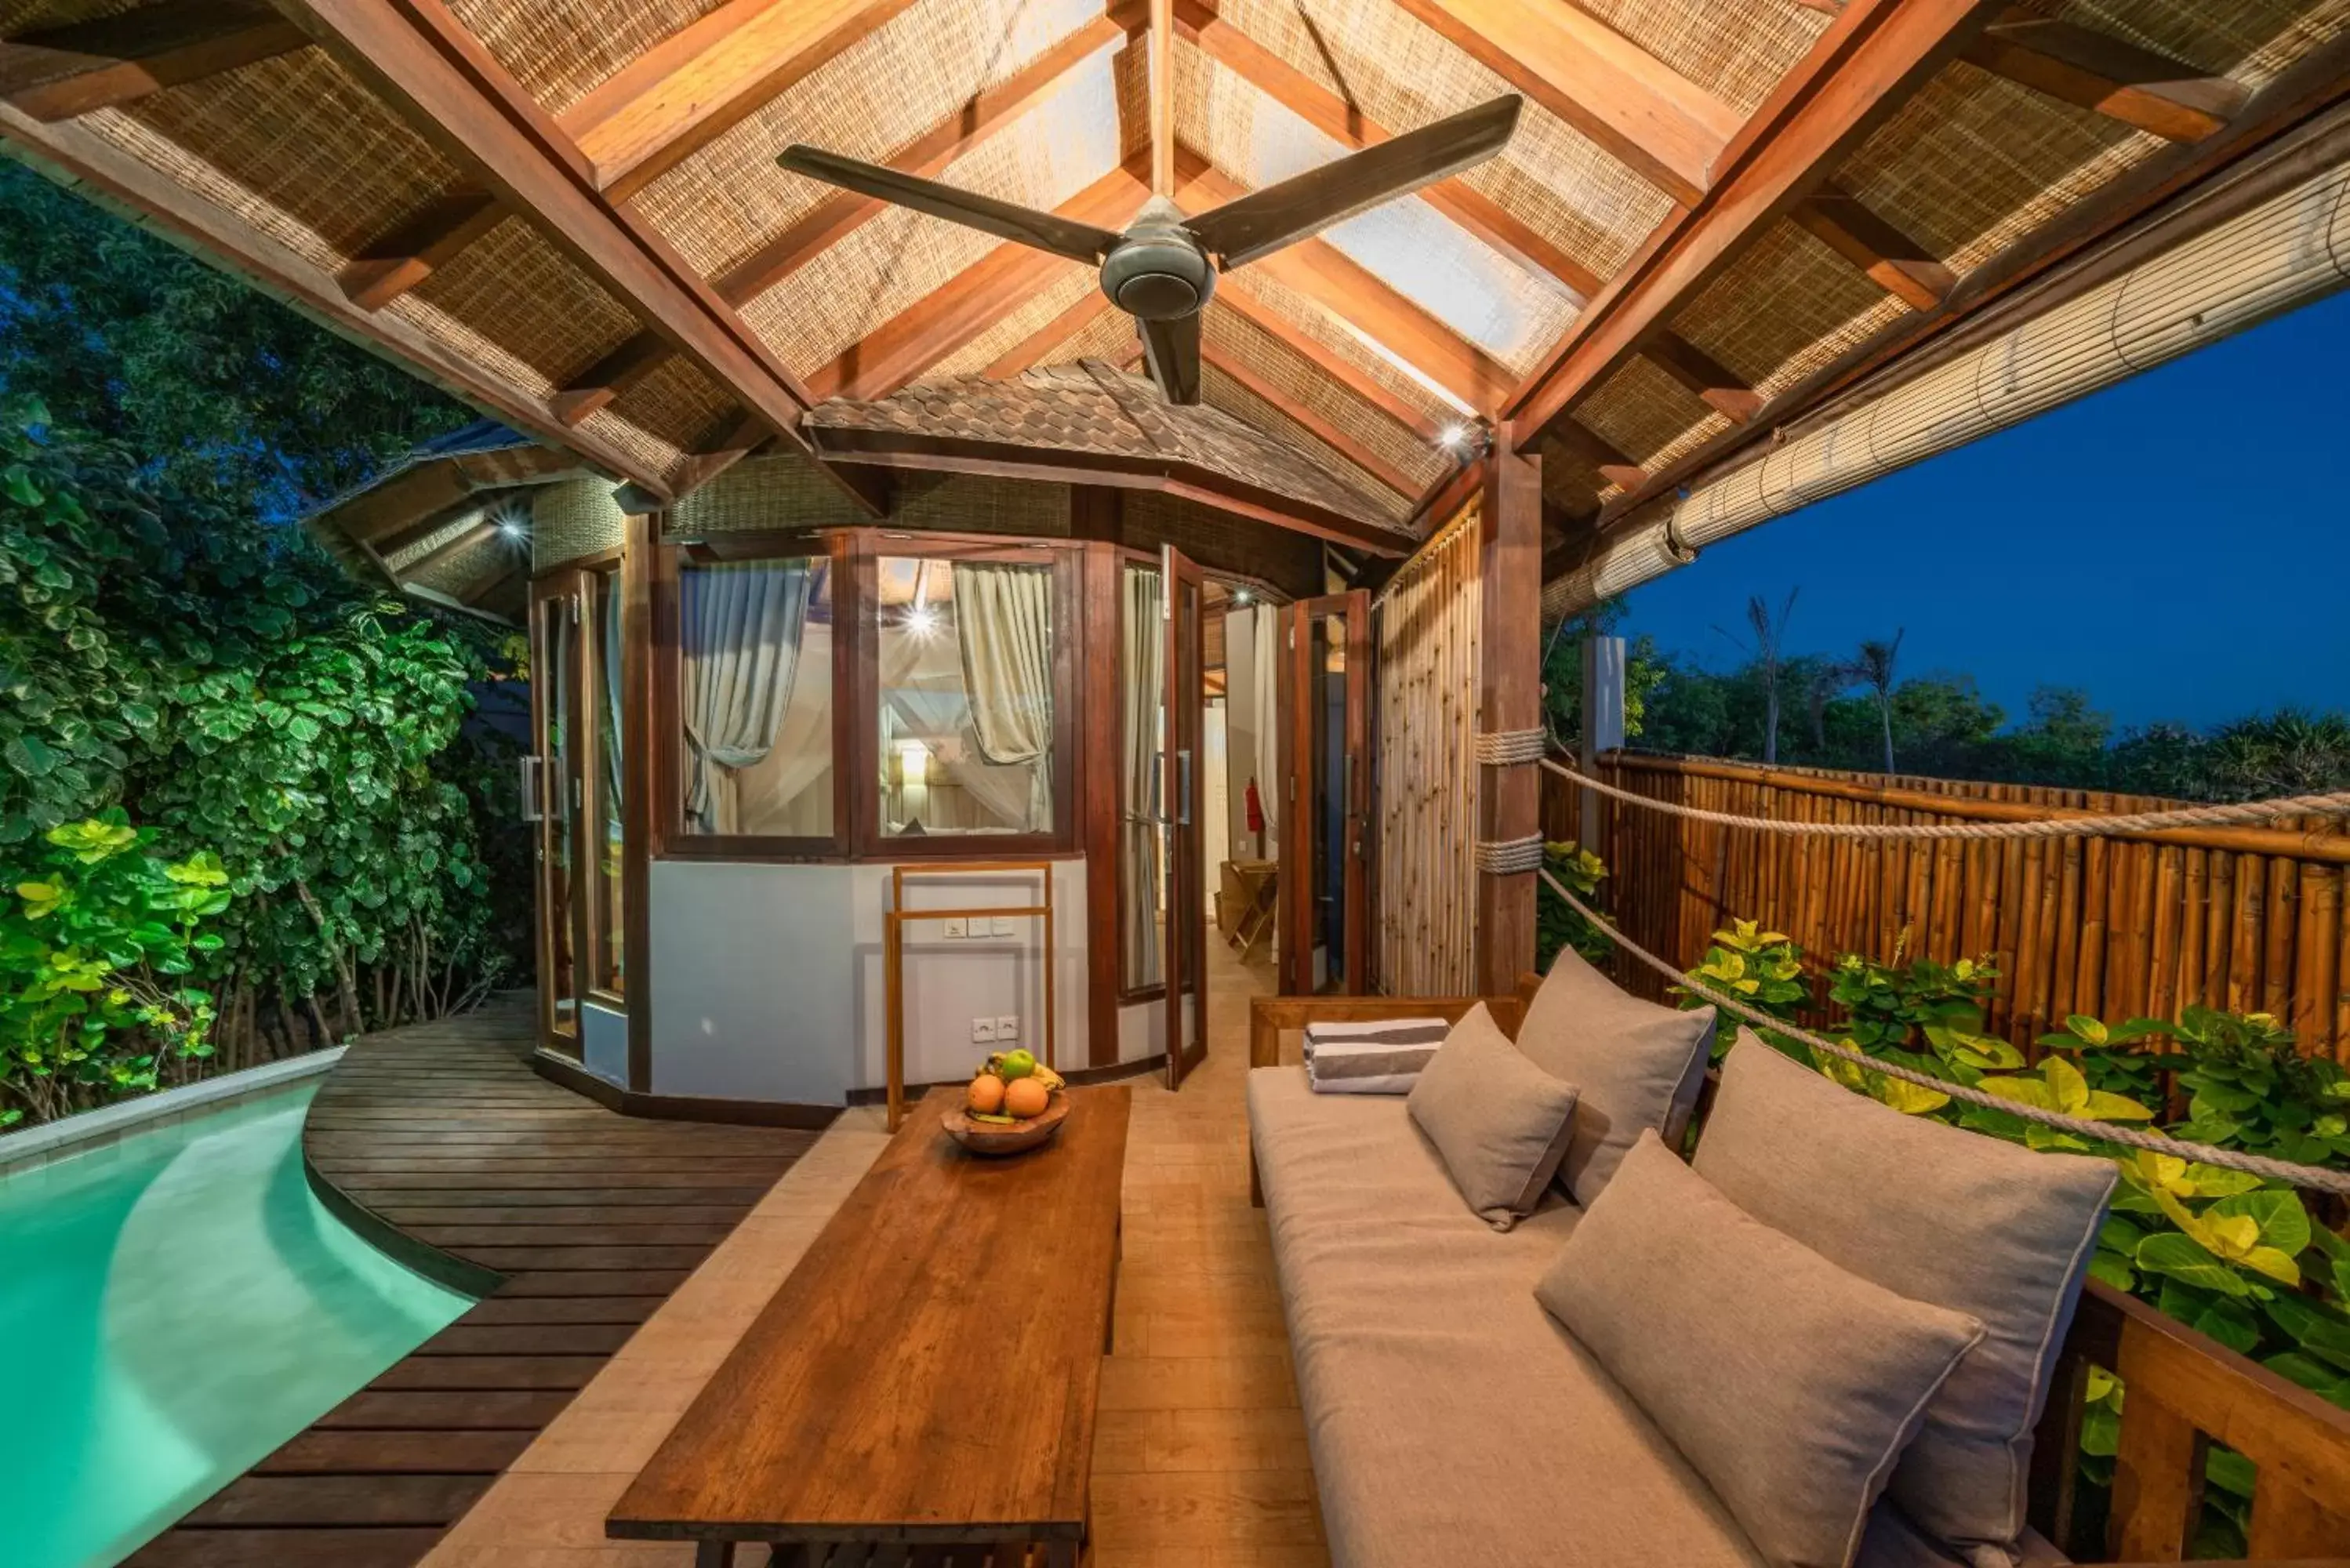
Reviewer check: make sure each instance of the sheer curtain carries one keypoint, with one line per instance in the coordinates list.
(1144, 667)
(740, 627)
(924, 696)
(1003, 625)
(1268, 719)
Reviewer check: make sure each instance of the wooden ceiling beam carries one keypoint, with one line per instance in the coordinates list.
(1347, 124)
(1860, 70)
(928, 154)
(708, 78)
(976, 299)
(389, 266)
(1351, 293)
(1717, 388)
(1892, 259)
(1601, 454)
(80, 160)
(59, 73)
(1234, 292)
(431, 75)
(609, 377)
(744, 435)
(448, 548)
(1344, 443)
(2113, 76)
(1039, 347)
(1669, 129)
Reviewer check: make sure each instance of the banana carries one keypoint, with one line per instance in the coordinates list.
(1051, 1081)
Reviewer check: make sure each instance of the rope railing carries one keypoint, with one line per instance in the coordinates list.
(2083, 827)
(2316, 1177)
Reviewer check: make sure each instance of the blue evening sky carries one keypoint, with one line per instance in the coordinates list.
(2174, 545)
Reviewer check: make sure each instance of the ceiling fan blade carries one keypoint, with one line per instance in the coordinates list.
(1007, 220)
(1297, 208)
(1172, 347)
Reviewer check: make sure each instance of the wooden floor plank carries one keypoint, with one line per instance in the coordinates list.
(444, 1136)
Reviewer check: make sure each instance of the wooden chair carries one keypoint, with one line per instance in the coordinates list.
(2184, 1390)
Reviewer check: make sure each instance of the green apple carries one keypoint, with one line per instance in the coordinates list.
(1016, 1064)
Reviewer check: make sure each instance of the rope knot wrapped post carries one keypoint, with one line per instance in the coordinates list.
(1508, 857)
(1510, 748)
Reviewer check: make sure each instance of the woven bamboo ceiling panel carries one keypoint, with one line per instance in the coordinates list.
(570, 212)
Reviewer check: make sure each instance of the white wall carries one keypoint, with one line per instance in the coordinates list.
(767, 980)
(1249, 750)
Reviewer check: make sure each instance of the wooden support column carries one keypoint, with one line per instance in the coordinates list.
(1094, 515)
(1509, 697)
(643, 560)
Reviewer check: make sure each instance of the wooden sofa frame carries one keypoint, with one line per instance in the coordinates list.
(2185, 1389)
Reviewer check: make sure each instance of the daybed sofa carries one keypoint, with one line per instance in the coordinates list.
(1451, 1419)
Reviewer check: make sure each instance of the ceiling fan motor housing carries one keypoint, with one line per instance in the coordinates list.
(1159, 277)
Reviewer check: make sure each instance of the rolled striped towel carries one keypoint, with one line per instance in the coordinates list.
(1381, 1048)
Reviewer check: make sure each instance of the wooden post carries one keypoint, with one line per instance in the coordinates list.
(1603, 725)
(1509, 698)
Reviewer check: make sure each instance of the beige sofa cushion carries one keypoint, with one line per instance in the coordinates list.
(1972, 1224)
(1635, 1064)
(1451, 1420)
(1790, 1384)
(1501, 1123)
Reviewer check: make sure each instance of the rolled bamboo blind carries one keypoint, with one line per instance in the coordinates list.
(1427, 626)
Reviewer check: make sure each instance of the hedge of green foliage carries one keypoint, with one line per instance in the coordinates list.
(216, 690)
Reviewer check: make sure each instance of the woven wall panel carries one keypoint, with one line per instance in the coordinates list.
(1231, 333)
(677, 404)
(1219, 390)
(1072, 284)
(1572, 193)
(1427, 622)
(1735, 49)
(21, 16)
(762, 493)
(1109, 337)
(888, 264)
(291, 145)
(514, 289)
(1974, 162)
(1786, 306)
(474, 567)
(573, 518)
(559, 49)
(1221, 542)
(980, 503)
(916, 70)
(400, 560)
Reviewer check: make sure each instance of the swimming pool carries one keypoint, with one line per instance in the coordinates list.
(172, 1307)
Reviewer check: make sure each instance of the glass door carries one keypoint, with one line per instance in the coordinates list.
(1325, 721)
(1183, 859)
(553, 800)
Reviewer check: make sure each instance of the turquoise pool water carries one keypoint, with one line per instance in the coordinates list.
(172, 1307)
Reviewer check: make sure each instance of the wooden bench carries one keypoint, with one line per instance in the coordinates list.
(2184, 1390)
(925, 1382)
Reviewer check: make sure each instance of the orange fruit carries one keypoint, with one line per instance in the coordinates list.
(986, 1095)
(1025, 1098)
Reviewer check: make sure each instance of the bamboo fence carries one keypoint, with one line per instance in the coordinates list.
(2246, 919)
(1427, 626)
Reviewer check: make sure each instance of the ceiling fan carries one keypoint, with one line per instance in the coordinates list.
(1163, 269)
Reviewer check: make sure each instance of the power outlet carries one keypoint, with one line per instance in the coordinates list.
(1007, 1027)
(955, 928)
(1001, 925)
(983, 1031)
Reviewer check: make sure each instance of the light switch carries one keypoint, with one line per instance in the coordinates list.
(1002, 925)
(1007, 1027)
(954, 929)
(983, 1031)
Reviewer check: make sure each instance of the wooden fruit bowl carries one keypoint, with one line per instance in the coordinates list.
(992, 1138)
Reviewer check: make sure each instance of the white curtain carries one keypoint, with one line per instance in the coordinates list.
(739, 630)
(1268, 719)
(1144, 667)
(923, 695)
(1004, 625)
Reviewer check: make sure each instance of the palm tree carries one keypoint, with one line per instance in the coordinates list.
(1768, 651)
(1875, 665)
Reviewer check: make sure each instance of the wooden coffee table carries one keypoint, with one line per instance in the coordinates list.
(924, 1381)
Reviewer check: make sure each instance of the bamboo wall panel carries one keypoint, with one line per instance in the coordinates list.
(2245, 919)
(1427, 627)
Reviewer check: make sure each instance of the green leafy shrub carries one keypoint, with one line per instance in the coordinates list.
(98, 938)
(1557, 924)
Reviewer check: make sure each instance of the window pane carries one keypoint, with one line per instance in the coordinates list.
(965, 651)
(755, 683)
(604, 690)
(1142, 685)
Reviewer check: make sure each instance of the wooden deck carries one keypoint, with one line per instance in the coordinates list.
(585, 1220)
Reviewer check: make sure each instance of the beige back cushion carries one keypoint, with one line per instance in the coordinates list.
(1789, 1384)
(1639, 1065)
(1968, 1221)
(1501, 1123)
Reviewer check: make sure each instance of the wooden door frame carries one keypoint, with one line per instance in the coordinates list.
(562, 798)
(1184, 868)
(1298, 852)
